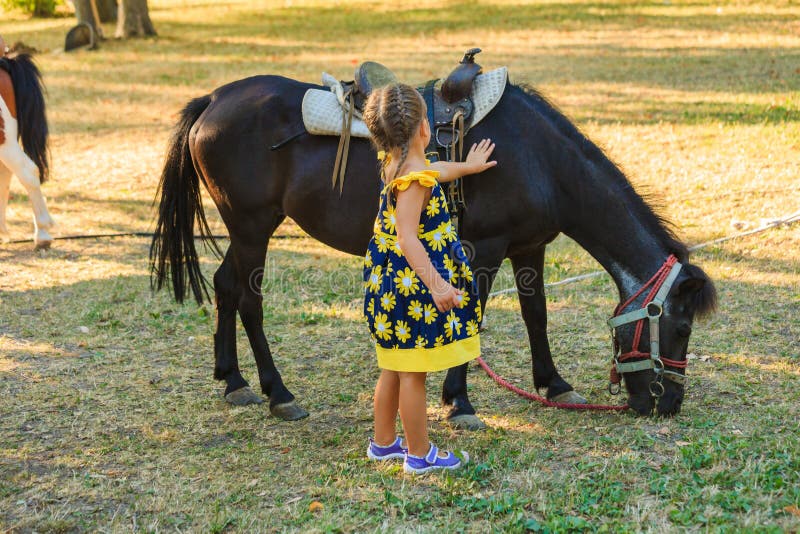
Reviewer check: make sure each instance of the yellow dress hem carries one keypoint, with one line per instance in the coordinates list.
(421, 360)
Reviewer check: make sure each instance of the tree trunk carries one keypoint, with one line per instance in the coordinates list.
(84, 12)
(107, 10)
(133, 19)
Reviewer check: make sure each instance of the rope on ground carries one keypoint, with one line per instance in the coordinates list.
(532, 396)
(139, 234)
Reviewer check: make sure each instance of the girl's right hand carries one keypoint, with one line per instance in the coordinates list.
(447, 298)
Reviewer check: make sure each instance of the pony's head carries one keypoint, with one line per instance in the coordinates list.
(691, 295)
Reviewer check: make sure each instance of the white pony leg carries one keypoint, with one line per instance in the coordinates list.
(5, 182)
(19, 163)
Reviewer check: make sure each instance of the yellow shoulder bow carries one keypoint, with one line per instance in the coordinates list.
(425, 179)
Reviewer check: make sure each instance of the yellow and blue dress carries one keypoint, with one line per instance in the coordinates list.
(410, 333)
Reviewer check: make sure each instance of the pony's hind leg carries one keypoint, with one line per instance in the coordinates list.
(250, 253)
(529, 278)
(5, 183)
(20, 164)
(226, 296)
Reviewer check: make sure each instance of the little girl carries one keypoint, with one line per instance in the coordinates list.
(420, 303)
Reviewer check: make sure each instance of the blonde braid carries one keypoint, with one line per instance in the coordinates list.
(392, 114)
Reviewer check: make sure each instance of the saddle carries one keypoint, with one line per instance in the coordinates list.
(450, 108)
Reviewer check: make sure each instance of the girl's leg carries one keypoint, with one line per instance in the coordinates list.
(413, 412)
(385, 405)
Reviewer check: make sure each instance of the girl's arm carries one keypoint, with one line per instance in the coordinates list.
(475, 162)
(409, 207)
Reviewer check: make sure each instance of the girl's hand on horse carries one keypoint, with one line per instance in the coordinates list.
(477, 158)
(446, 297)
(475, 162)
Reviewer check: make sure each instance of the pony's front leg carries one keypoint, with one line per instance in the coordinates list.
(529, 278)
(488, 255)
(5, 183)
(12, 156)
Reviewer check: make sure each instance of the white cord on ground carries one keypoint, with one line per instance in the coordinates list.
(789, 219)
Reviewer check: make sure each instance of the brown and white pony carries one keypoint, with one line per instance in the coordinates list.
(23, 139)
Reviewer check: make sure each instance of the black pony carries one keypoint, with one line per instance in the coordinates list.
(246, 142)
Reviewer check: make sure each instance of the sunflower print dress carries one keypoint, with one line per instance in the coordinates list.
(410, 334)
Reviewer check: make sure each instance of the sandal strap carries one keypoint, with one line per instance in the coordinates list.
(432, 454)
(397, 441)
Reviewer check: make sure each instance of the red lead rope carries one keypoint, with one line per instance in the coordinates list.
(532, 396)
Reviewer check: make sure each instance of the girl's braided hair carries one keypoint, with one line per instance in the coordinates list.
(392, 114)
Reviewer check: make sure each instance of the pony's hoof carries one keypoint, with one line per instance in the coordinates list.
(467, 422)
(570, 397)
(42, 245)
(288, 411)
(243, 397)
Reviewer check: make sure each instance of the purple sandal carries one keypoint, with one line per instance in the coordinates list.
(417, 465)
(391, 452)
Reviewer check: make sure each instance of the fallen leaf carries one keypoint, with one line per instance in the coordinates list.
(315, 506)
(792, 509)
(664, 430)
(683, 443)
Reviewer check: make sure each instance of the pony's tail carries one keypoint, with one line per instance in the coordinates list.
(172, 252)
(31, 118)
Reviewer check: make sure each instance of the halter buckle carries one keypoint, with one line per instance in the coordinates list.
(614, 389)
(654, 310)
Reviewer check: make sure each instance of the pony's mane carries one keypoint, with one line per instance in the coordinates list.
(642, 204)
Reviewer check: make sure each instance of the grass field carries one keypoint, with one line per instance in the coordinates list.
(110, 419)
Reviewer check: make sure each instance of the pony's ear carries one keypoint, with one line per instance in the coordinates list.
(691, 286)
(698, 289)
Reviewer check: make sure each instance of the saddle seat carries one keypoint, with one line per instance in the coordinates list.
(368, 76)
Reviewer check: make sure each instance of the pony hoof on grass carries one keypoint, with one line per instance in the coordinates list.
(42, 245)
(243, 397)
(288, 411)
(570, 397)
(467, 422)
